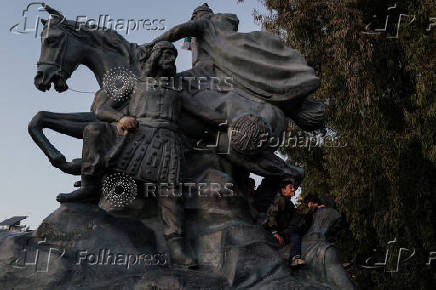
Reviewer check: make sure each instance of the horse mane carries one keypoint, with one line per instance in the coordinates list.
(97, 36)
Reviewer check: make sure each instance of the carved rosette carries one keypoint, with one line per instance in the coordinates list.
(249, 134)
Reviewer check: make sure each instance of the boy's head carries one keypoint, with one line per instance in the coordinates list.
(288, 187)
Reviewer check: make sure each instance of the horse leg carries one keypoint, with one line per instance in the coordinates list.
(71, 124)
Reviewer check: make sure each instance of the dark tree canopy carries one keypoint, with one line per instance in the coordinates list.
(380, 94)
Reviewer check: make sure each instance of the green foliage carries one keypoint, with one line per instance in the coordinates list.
(380, 92)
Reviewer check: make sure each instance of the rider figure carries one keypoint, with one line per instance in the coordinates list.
(144, 143)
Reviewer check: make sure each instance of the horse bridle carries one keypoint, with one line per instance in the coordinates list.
(60, 66)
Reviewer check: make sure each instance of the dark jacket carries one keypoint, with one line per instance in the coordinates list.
(282, 214)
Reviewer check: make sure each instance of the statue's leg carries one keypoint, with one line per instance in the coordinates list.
(71, 124)
(172, 216)
(98, 139)
(171, 210)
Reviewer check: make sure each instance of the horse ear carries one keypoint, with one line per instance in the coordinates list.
(52, 11)
(43, 21)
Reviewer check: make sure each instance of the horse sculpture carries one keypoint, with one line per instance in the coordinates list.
(65, 47)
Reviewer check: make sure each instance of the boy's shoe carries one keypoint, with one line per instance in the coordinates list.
(297, 261)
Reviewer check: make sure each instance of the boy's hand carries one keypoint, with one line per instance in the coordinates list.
(321, 206)
(279, 239)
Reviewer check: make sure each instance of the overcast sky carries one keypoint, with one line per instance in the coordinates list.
(29, 184)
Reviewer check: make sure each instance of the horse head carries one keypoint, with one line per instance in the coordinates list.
(66, 44)
(54, 65)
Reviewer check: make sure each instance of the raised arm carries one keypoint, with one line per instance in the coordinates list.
(193, 28)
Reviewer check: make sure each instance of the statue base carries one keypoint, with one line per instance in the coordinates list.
(82, 246)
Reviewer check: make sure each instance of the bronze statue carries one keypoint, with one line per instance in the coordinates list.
(150, 134)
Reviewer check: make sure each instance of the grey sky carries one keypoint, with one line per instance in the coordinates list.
(29, 184)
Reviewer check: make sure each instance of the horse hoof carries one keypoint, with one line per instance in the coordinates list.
(62, 197)
(68, 197)
(79, 195)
